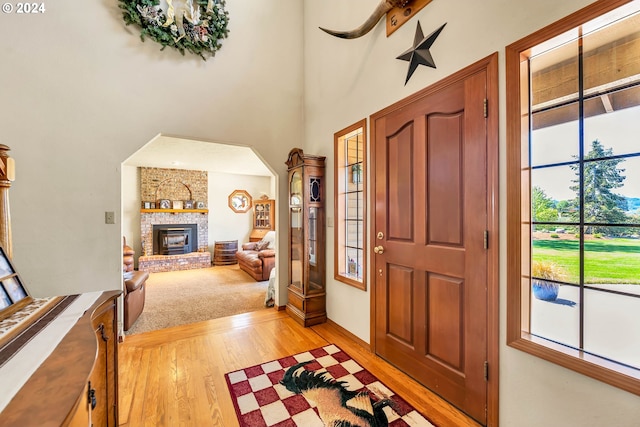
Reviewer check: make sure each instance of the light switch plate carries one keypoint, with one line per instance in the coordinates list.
(109, 217)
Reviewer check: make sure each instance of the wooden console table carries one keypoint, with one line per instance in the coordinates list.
(81, 369)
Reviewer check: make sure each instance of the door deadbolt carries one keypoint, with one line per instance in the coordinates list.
(380, 235)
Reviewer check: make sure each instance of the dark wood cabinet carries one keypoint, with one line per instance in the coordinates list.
(306, 246)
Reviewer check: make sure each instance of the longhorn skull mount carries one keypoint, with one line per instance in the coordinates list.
(381, 9)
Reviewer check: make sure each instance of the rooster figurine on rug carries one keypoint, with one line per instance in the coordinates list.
(337, 406)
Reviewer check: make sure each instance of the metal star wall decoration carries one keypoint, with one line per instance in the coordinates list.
(419, 53)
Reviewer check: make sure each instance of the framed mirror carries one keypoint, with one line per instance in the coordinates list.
(240, 201)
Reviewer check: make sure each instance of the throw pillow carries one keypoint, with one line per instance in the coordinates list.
(271, 238)
(261, 245)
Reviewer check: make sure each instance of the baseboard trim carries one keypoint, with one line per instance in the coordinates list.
(280, 307)
(348, 334)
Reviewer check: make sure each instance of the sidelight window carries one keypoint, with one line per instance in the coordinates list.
(349, 205)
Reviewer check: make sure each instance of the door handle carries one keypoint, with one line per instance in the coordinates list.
(378, 249)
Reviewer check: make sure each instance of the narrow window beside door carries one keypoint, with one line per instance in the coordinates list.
(349, 263)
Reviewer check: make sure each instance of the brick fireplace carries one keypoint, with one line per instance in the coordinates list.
(181, 185)
(158, 263)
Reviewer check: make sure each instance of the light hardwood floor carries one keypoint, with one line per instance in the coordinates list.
(175, 377)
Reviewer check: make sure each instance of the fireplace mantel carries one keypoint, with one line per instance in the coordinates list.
(175, 211)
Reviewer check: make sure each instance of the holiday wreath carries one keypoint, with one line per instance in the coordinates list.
(193, 25)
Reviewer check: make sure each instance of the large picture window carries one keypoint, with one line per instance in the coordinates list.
(349, 148)
(574, 193)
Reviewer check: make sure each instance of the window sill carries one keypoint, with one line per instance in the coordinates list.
(603, 370)
(351, 282)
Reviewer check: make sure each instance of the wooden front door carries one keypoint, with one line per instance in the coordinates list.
(430, 219)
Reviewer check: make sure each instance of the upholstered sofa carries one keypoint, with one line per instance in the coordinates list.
(258, 258)
(134, 287)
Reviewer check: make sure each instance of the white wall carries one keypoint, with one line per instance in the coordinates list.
(81, 93)
(346, 80)
(224, 223)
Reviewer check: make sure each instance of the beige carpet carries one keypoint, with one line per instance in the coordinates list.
(182, 297)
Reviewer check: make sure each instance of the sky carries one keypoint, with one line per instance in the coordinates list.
(619, 130)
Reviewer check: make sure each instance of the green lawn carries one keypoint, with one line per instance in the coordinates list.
(606, 260)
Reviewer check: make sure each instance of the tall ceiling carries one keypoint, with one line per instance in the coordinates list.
(177, 153)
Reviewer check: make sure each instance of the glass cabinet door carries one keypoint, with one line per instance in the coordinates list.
(296, 230)
(315, 278)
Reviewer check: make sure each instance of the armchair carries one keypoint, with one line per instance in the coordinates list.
(258, 258)
(134, 287)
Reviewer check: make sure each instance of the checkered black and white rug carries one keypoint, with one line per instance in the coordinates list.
(261, 400)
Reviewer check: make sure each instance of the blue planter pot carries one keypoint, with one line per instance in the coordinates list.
(545, 291)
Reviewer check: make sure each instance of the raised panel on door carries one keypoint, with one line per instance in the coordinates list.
(445, 343)
(400, 290)
(400, 184)
(444, 178)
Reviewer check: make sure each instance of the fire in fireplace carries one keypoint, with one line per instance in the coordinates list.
(173, 239)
